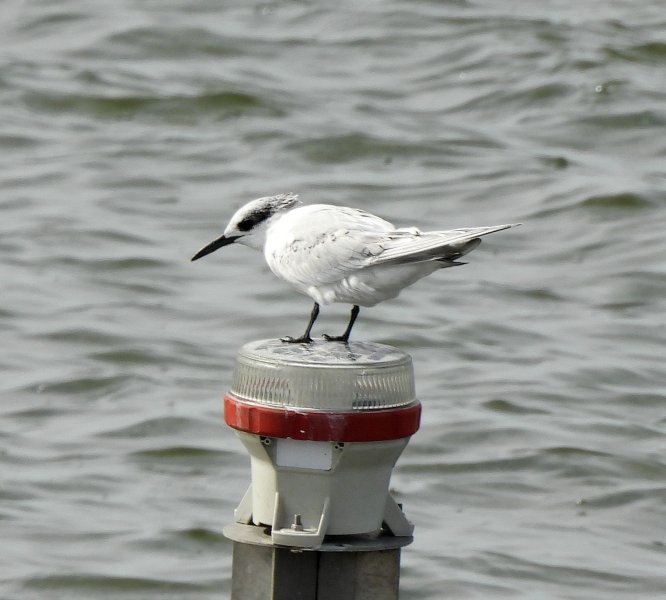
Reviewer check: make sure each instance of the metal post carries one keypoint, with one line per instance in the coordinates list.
(345, 569)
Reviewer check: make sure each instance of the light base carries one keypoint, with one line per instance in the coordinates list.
(302, 501)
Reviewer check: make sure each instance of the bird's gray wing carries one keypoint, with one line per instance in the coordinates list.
(331, 243)
(409, 246)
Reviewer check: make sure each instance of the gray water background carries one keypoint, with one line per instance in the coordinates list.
(129, 133)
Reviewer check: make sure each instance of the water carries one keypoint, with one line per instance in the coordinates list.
(130, 131)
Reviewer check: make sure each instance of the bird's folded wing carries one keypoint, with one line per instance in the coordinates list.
(327, 258)
(331, 243)
(406, 246)
(328, 251)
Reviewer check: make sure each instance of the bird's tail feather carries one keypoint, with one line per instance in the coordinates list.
(445, 264)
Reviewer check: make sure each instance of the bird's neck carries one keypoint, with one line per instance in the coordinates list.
(255, 241)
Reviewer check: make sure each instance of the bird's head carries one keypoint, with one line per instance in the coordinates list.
(249, 223)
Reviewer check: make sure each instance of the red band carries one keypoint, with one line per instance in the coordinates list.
(357, 426)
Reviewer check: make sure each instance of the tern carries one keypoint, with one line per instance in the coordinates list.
(340, 254)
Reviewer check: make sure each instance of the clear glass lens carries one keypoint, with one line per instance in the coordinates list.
(323, 375)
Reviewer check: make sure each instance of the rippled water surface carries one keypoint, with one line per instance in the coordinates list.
(129, 132)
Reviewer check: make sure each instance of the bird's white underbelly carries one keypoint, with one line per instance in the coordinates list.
(369, 286)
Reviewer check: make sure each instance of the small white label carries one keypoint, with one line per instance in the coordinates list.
(304, 454)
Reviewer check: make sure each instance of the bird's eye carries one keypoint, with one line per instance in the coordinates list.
(246, 224)
(254, 219)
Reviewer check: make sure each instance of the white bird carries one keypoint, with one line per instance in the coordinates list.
(340, 254)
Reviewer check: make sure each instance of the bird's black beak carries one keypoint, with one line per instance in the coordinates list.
(214, 245)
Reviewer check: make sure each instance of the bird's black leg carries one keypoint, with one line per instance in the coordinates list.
(305, 338)
(345, 336)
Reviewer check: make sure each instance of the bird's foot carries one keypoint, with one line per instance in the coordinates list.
(304, 339)
(336, 338)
